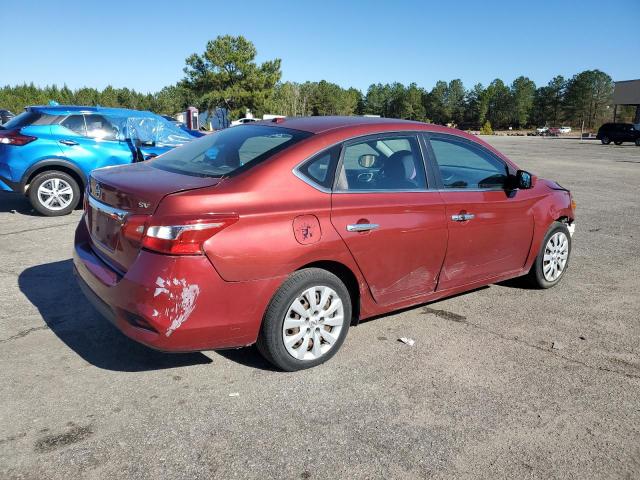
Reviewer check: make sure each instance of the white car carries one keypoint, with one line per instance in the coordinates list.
(565, 130)
(242, 121)
(541, 130)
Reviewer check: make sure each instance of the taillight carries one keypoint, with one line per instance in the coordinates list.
(133, 228)
(181, 236)
(14, 137)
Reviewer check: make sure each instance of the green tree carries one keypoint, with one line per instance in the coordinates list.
(226, 75)
(486, 128)
(547, 102)
(414, 104)
(455, 101)
(499, 104)
(477, 105)
(523, 91)
(330, 99)
(436, 103)
(587, 96)
(376, 100)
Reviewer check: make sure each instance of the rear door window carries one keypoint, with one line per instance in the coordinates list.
(75, 123)
(382, 164)
(100, 128)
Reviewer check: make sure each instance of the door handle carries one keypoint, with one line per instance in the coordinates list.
(362, 227)
(68, 142)
(462, 217)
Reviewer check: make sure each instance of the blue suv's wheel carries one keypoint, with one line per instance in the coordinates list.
(54, 193)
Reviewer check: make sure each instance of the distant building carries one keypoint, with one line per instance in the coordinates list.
(627, 93)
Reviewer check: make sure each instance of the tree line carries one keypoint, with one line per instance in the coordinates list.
(227, 75)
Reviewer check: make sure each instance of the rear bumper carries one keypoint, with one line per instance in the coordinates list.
(172, 303)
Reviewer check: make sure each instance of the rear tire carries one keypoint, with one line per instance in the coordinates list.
(313, 335)
(605, 140)
(54, 193)
(553, 258)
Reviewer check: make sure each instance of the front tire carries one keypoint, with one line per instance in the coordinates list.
(638, 142)
(54, 193)
(605, 140)
(306, 321)
(553, 259)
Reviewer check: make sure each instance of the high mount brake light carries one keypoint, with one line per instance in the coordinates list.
(14, 137)
(184, 237)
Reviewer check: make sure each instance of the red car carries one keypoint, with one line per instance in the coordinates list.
(287, 232)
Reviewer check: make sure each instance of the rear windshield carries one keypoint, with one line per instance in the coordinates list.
(30, 118)
(229, 151)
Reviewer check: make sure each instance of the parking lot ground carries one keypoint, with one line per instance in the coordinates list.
(502, 382)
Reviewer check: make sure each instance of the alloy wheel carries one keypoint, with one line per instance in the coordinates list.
(55, 194)
(313, 323)
(556, 254)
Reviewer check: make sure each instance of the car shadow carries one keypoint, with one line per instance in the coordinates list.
(247, 356)
(520, 283)
(53, 290)
(16, 203)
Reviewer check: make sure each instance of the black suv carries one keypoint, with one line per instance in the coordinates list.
(618, 133)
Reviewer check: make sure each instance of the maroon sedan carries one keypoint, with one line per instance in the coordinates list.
(287, 232)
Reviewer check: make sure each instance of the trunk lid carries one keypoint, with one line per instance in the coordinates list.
(119, 193)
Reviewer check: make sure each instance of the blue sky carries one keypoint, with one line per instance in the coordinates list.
(142, 44)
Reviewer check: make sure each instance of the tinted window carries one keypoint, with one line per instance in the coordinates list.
(464, 165)
(75, 123)
(392, 163)
(100, 128)
(320, 169)
(228, 151)
(30, 118)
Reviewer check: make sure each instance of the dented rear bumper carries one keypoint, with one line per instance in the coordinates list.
(172, 303)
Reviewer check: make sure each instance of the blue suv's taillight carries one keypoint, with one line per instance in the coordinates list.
(14, 137)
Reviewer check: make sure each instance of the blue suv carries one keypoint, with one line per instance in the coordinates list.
(47, 152)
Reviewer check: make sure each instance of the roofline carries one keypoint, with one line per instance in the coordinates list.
(364, 121)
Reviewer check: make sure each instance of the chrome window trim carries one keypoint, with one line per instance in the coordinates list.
(445, 190)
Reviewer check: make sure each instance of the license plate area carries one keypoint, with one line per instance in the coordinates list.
(104, 225)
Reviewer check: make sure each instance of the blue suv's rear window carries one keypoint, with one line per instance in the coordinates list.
(31, 117)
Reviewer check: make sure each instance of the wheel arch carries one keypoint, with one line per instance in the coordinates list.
(349, 278)
(52, 165)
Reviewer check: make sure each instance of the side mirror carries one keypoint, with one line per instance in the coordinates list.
(524, 180)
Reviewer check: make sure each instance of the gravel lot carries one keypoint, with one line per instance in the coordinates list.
(502, 382)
